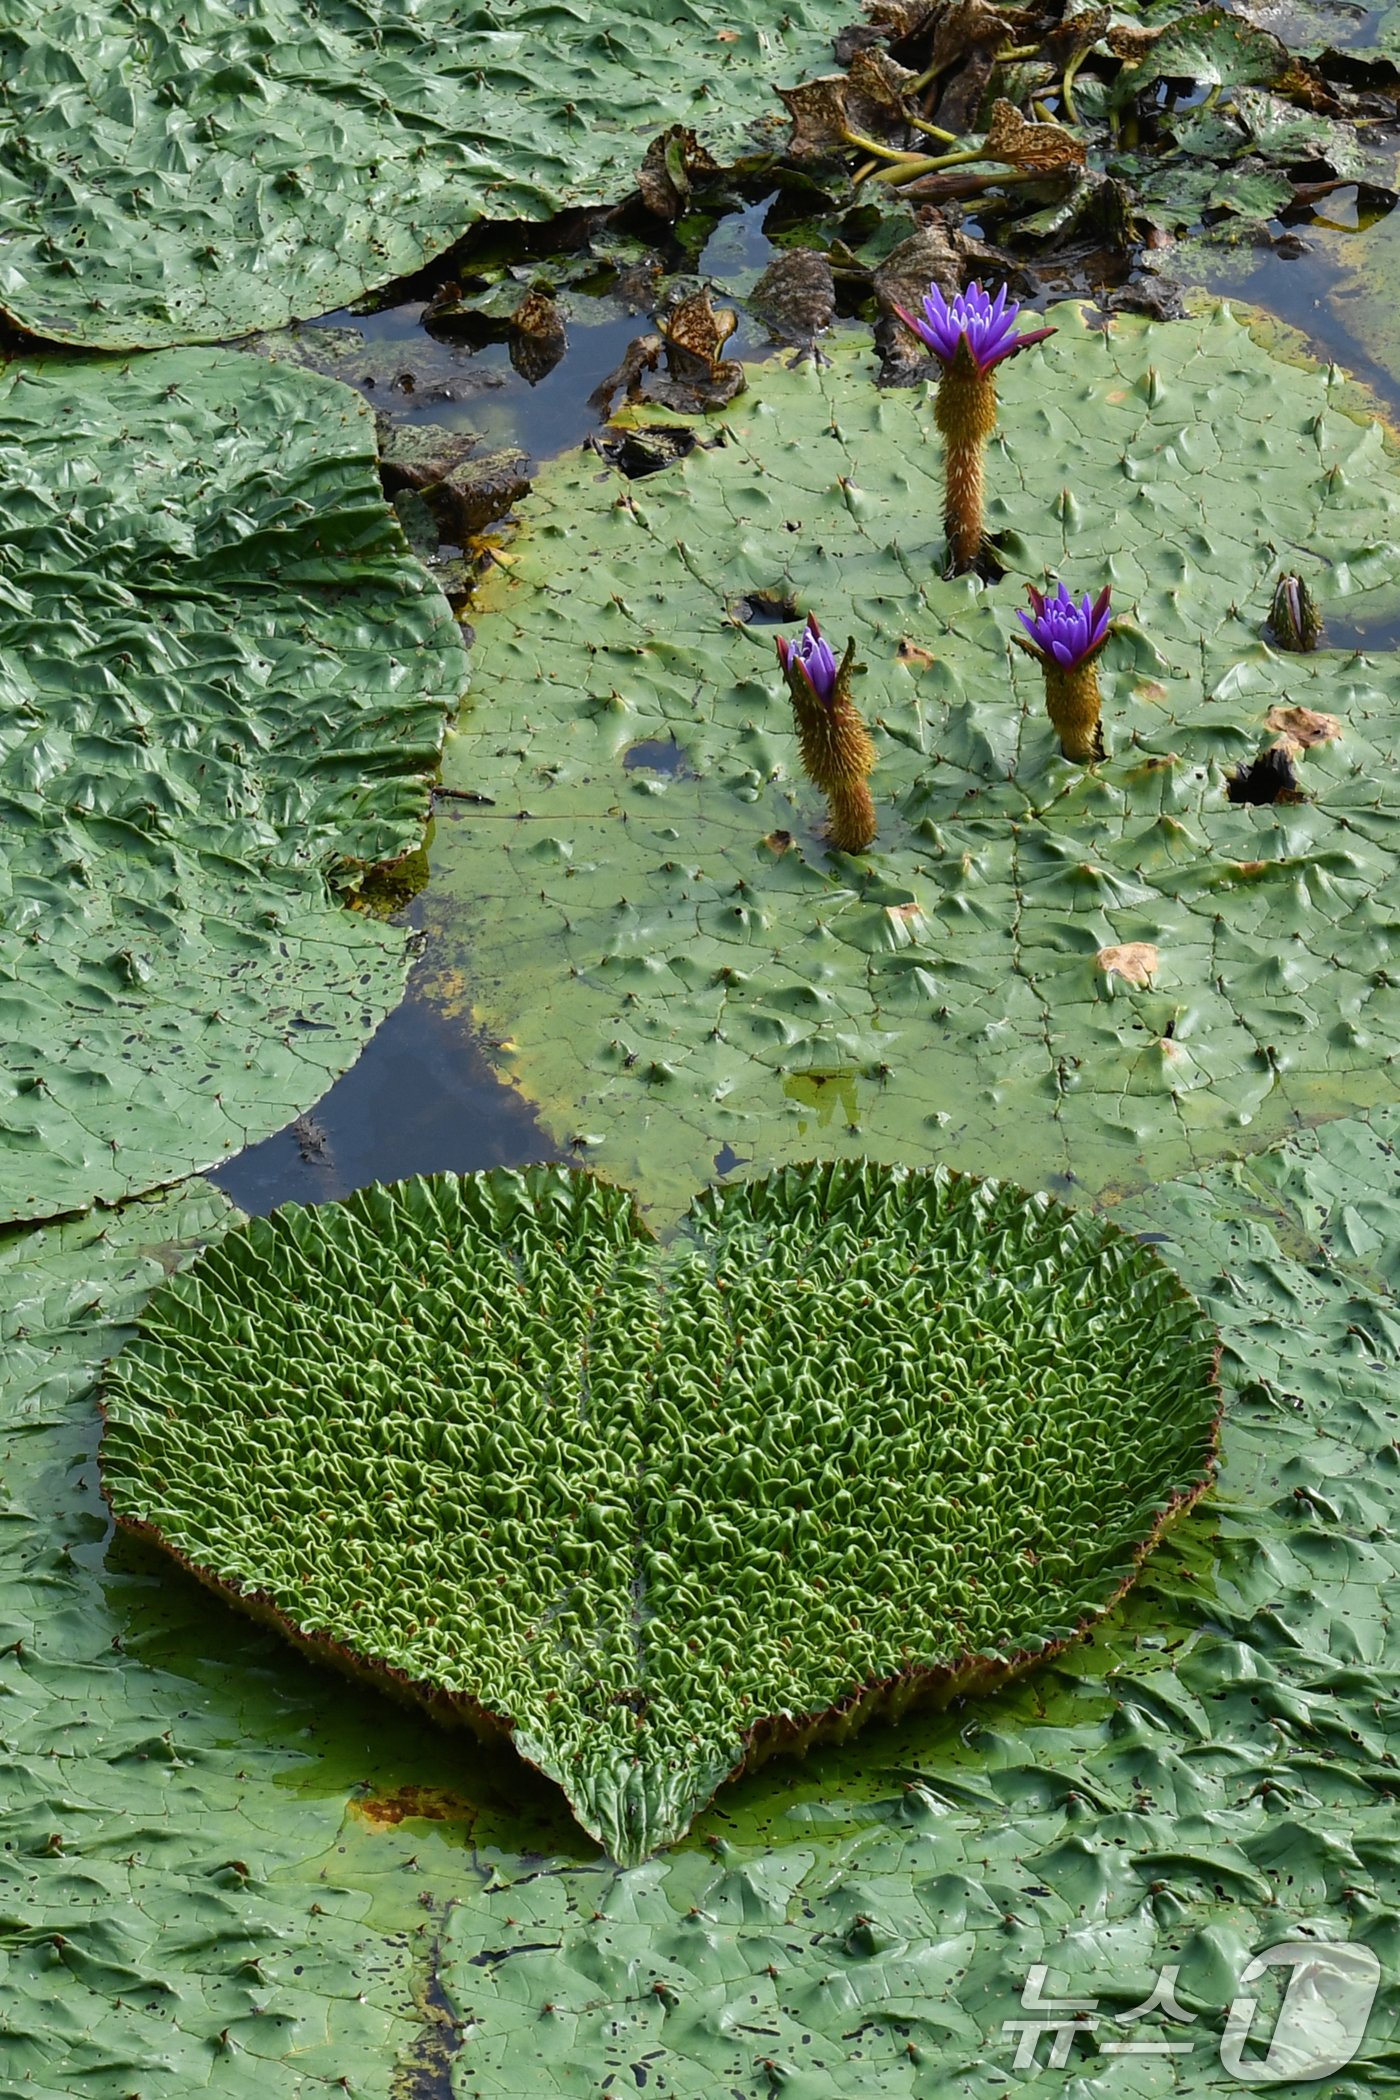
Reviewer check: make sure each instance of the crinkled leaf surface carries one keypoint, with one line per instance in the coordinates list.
(1214, 1772)
(646, 918)
(172, 176)
(220, 673)
(852, 1431)
(175, 1916)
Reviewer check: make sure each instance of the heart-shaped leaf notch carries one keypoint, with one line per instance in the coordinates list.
(853, 1436)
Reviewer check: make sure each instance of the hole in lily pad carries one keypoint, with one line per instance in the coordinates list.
(771, 608)
(853, 1437)
(656, 754)
(637, 453)
(1268, 778)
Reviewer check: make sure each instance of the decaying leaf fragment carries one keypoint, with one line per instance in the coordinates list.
(963, 26)
(1039, 149)
(670, 162)
(824, 112)
(695, 335)
(537, 339)
(796, 295)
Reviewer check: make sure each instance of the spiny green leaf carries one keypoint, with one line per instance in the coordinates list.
(854, 1436)
(672, 961)
(220, 676)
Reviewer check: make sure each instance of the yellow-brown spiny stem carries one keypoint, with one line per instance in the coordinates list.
(851, 810)
(837, 753)
(966, 415)
(1073, 704)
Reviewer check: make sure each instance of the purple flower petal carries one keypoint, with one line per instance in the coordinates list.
(985, 324)
(1063, 631)
(812, 656)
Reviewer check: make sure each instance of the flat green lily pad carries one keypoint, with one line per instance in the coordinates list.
(182, 177)
(852, 1438)
(646, 920)
(222, 678)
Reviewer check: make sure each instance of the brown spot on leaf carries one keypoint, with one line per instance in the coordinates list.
(1135, 962)
(1298, 728)
(429, 1803)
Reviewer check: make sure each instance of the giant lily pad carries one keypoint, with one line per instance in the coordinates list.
(648, 923)
(181, 177)
(854, 1436)
(1212, 1776)
(224, 1865)
(221, 675)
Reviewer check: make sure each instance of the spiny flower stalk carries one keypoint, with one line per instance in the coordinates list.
(1065, 638)
(835, 744)
(970, 336)
(1294, 619)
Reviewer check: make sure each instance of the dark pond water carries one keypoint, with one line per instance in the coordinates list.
(424, 1096)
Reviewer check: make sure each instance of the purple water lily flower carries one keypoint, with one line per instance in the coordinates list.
(986, 325)
(1063, 632)
(813, 658)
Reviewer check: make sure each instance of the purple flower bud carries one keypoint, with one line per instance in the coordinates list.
(987, 326)
(813, 658)
(1063, 632)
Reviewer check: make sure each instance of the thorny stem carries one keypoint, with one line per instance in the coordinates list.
(837, 754)
(966, 414)
(1073, 705)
